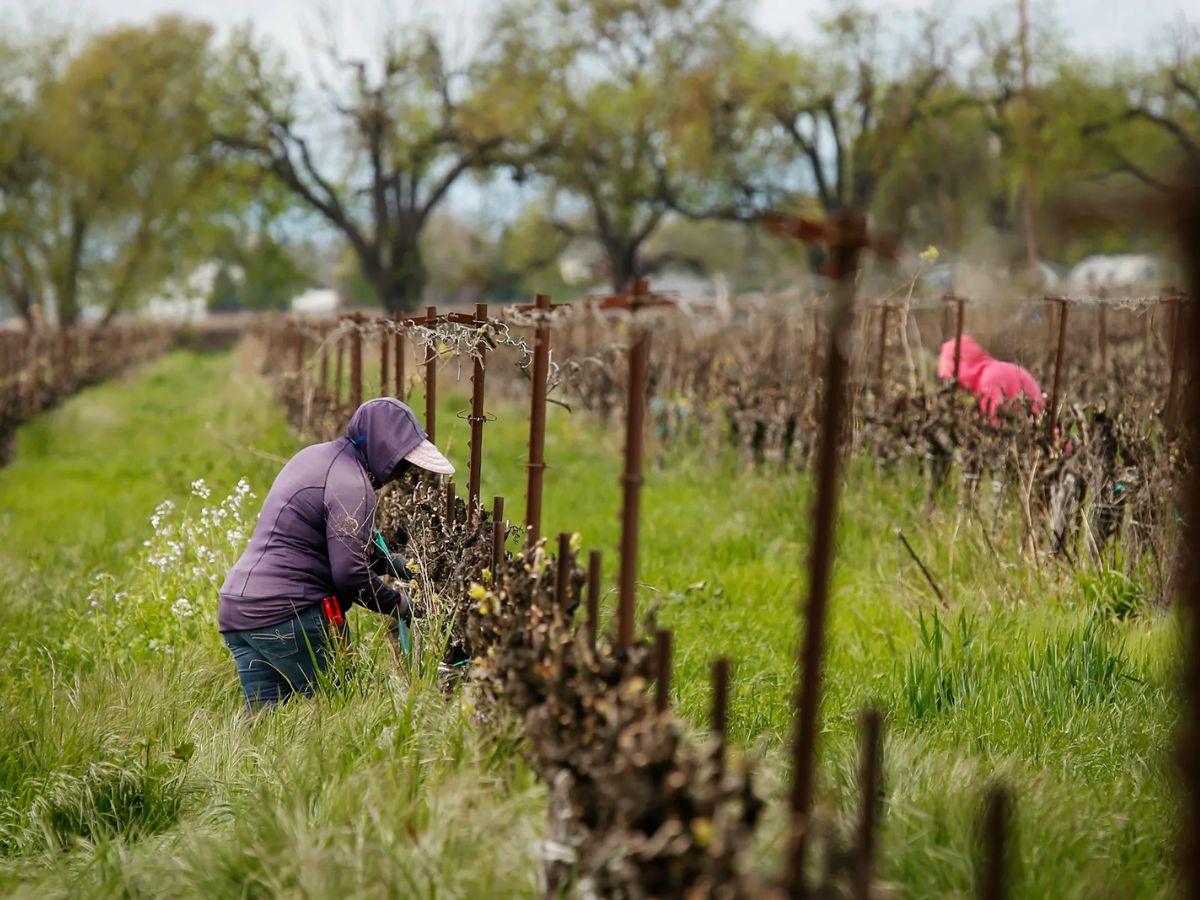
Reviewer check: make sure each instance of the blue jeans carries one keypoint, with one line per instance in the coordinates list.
(280, 660)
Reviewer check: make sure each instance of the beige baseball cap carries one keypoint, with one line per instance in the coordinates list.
(430, 458)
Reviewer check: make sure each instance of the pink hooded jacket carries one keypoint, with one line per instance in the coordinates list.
(991, 380)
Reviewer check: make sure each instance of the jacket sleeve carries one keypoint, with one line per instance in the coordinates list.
(349, 519)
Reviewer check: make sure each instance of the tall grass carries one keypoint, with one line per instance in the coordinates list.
(130, 768)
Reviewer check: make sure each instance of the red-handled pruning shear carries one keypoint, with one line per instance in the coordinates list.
(333, 611)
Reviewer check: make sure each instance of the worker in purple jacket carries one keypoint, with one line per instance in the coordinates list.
(308, 557)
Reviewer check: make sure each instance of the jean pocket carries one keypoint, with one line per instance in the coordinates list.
(278, 642)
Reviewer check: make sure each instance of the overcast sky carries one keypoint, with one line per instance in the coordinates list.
(1090, 25)
(1095, 25)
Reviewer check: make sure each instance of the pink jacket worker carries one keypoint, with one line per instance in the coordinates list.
(989, 379)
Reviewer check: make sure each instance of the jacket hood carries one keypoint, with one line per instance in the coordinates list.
(972, 360)
(384, 431)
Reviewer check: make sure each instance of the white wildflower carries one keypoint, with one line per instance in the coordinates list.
(162, 511)
(200, 489)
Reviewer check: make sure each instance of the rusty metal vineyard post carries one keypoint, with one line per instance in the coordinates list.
(324, 361)
(662, 670)
(871, 779)
(297, 348)
(477, 417)
(1103, 336)
(993, 875)
(431, 379)
(720, 711)
(536, 467)
(1177, 341)
(399, 358)
(356, 397)
(815, 352)
(562, 571)
(304, 377)
(385, 345)
(498, 534)
(631, 477)
(880, 363)
(593, 597)
(340, 367)
(960, 304)
(1188, 219)
(846, 233)
(1052, 413)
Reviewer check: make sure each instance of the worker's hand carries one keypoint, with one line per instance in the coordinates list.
(396, 565)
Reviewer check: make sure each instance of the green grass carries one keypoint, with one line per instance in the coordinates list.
(129, 770)
(125, 769)
(1033, 674)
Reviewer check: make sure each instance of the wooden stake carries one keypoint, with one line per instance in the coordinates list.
(499, 530)
(871, 778)
(431, 382)
(662, 670)
(537, 424)
(631, 479)
(593, 597)
(477, 418)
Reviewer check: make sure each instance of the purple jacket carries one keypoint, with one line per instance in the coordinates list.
(313, 533)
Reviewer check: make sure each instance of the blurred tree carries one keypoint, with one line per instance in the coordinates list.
(20, 277)
(25, 66)
(746, 255)
(850, 104)
(123, 138)
(1156, 126)
(819, 127)
(247, 232)
(393, 138)
(532, 245)
(609, 79)
(226, 293)
(939, 183)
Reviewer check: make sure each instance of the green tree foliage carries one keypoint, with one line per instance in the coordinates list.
(250, 233)
(104, 156)
(21, 171)
(226, 294)
(1155, 124)
(1050, 138)
(746, 255)
(405, 129)
(124, 136)
(607, 135)
(132, 154)
(847, 106)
